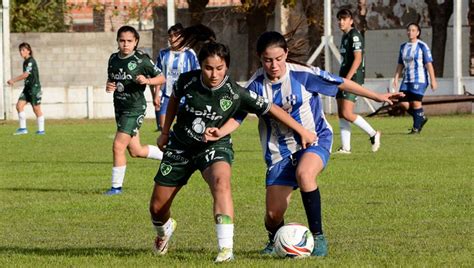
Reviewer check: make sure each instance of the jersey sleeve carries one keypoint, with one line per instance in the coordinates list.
(29, 66)
(400, 56)
(149, 68)
(194, 60)
(427, 57)
(357, 42)
(159, 61)
(323, 82)
(251, 102)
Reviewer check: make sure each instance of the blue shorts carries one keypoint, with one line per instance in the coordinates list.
(284, 172)
(414, 88)
(164, 104)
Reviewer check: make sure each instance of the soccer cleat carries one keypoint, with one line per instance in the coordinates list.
(224, 255)
(269, 249)
(40, 132)
(320, 246)
(21, 131)
(342, 151)
(414, 131)
(375, 140)
(162, 243)
(114, 191)
(425, 119)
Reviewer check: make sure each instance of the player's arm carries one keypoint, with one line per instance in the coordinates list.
(355, 64)
(152, 81)
(214, 133)
(169, 118)
(307, 137)
(431, 72)
(156, 94)
(353, 87)
(398, 72)
(18, 78)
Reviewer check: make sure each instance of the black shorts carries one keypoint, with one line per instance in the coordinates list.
(409, 96)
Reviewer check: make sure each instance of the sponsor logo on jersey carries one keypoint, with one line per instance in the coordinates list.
(198, 125)
(132, 65)
(165, 169)
(121, 75)
(177, 157)
(206, 114)
(120, 87)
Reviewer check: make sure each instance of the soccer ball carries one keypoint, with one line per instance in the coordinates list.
(294, 240)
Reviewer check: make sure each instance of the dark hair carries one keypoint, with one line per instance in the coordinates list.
(417, 26)
(27, 46)
(130, 29)
(287, 42)
(194, 36)
(177, 28)
(344, 13)
(214, 49)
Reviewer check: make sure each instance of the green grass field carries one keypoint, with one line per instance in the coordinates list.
(407, 205)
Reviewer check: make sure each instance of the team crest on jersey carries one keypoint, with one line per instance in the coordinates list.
(132, 65)
(225, 104)
(165, 169)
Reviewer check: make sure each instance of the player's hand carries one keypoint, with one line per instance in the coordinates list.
(212, 134)
(110, 87)
(162, 141)
(388, 97)
(434, 85)
(308, 138)
(10, 82)
(142, 80)
(156, 102)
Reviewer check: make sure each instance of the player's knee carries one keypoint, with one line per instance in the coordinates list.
(274, 217)
(156, 209)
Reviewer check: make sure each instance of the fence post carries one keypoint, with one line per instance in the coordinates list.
(90, 102)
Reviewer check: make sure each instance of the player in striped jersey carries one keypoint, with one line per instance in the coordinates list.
(172, 61)
(416, 62)
(295, 88)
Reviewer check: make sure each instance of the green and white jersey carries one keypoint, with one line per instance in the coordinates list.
(129, 95)
(30, 66)
(350, 43)
(205, 107)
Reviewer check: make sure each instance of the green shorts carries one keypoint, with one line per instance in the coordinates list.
(31, 95)
(179, 162)
(129, 121)
(346, 96)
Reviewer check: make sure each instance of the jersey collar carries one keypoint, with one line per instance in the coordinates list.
(218, 86)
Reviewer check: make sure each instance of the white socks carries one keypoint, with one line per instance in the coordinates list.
(364, 125)
(22, 119)
(40, 121)
(154, 152)
(225, 235)
(345, 127)
(163, 230)
(118, 174)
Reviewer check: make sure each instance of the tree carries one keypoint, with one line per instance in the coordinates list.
(439, 17)
(257, 14)
(38, 15)
(197, 9)
(315, 20)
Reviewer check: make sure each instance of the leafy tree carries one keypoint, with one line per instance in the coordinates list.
(439, 17)
(38, 15)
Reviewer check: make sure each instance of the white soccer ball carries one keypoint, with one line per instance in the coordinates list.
(294, 240)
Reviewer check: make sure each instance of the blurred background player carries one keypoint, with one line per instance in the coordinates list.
(129, 71)
(31, 92)
(415, 60)
(172, 61)
(352, 68)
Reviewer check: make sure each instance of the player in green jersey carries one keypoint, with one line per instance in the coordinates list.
(211, 98)
(129, 71)
(31, 92)
(352, 68)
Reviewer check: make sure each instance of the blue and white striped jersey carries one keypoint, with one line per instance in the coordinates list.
(173, 63)
(297, 92)
(414, 56)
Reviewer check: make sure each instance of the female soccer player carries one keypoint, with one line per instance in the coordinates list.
(172, 61)
(295, 88)
(352, 68)
(416, 61)
(129, 71)
(31, 92)
(211, 98)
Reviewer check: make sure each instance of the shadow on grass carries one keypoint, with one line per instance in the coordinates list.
(47, 190)
(35, 161)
